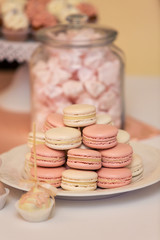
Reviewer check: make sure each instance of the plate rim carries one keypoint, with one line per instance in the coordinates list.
(99, 193)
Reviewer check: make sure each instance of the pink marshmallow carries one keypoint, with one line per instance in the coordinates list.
(94, 88)
(109, 72)
(94, 58)
(72, 89)
(85, 98)
(106, 101)
(85, 74)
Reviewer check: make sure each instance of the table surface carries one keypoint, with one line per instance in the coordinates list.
(133, 215)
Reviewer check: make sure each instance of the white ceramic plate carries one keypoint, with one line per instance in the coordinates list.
(12, 166)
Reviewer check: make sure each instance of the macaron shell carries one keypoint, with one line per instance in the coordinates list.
(101, 131)
(80, 123)
(43, 150)
(62, 133)
(84, 153)
(80, 175)
(113, 178)
(84, 166)
(49, 163)
(119, 156)
(76, 187)
(79, 109)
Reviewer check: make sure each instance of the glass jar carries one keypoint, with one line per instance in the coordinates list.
(77, 63)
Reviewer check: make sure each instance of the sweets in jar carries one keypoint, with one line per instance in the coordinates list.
(77, 64)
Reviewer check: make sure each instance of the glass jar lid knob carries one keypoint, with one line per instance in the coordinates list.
(77, 20)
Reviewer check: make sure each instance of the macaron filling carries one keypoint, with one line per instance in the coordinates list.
(84, 160)
(62, 142)
(79, 183)
(48, 159)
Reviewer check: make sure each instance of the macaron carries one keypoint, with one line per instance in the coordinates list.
(51, 176)
(63, 138)
(136, 167)
(40, 139)
(86, 159)
(3, 195)
(113, 177)
(79, 115)
(53, 120)
(79, 180)
(100, 136)
(103, 119)
(119, 156)
(123, 136)
(47, 157)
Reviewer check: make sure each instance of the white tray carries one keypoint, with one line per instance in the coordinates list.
(13, 163)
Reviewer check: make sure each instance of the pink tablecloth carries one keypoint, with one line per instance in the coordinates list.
(14, 128)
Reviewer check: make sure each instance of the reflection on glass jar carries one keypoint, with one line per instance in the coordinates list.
(77, 63)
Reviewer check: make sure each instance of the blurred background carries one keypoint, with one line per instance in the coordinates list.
(138, 24)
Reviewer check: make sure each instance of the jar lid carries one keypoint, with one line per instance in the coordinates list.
(76, 34)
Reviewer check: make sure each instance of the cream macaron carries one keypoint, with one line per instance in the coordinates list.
(40, 139)
(136, 167)
(79, 180)
(63, 138)
(103, 119)
(123, 136)
(79, 115)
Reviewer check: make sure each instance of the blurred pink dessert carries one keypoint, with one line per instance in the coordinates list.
(89, 10)
(38, 14)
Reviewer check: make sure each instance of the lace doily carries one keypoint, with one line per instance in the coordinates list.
(19, 51)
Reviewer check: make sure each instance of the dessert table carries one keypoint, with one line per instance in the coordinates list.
(132, 215)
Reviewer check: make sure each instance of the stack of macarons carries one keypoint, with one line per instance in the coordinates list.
(82, 151)
(49, 164)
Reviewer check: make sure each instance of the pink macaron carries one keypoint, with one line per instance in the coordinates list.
(46, 157)
(52, 176)
(53, 120)
(119, 156)
(100, 136)
(86, 159)
(113, 177)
